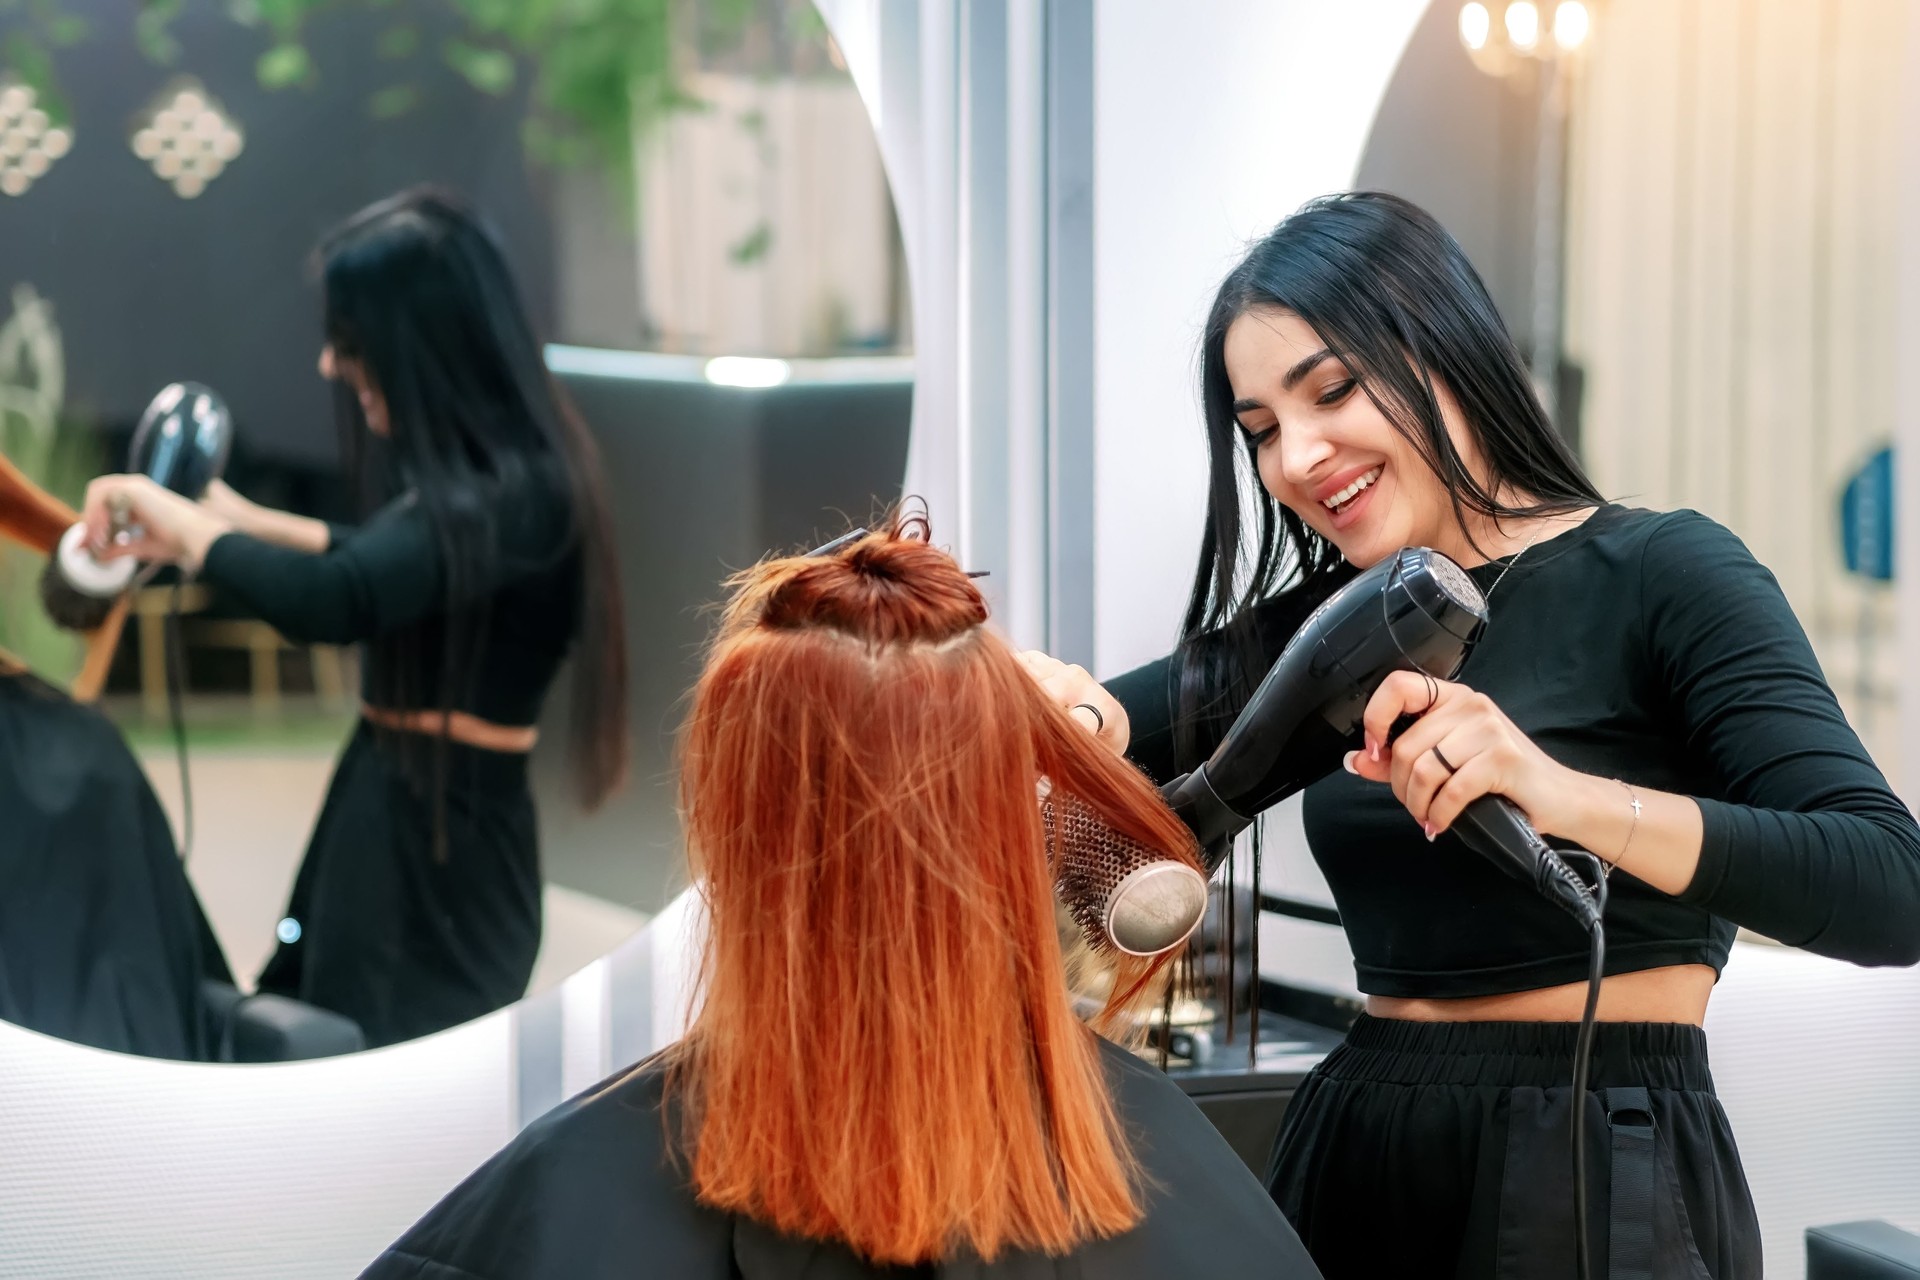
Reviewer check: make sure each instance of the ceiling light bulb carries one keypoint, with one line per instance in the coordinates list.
(56, 143)
(1523, 24)
(14, 182)
(1476, 24)
(1571, 25)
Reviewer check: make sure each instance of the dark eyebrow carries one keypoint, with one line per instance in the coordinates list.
(1289, 382)
(1304, 368)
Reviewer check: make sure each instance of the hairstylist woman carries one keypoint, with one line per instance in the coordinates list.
(1643, 691)
(418, 904)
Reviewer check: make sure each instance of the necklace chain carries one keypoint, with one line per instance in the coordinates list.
(1508, 568)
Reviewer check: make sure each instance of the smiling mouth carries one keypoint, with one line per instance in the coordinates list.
(1339, 501)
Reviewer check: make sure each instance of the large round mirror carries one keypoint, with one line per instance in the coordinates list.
(691, 203)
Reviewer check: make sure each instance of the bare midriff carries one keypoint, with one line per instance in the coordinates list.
(1676, 993)
(469, 730)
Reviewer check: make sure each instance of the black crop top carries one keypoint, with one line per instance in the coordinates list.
(1644, 646)
(390, 574)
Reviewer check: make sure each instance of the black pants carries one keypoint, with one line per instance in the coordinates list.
(1442, 1149)
(393, 935)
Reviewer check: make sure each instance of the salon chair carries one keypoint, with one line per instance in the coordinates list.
(270, 1028)
(1862, 1251)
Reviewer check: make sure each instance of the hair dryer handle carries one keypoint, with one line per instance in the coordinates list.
(1494, 827)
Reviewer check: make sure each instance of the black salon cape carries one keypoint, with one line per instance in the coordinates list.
(588, 1193)
(102, 940)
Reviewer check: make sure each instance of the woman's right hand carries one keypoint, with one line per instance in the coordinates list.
(1081, 697)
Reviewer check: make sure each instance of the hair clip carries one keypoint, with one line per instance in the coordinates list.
(845, 539)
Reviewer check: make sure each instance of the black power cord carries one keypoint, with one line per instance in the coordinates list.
(1583, 1047)
(176, 711)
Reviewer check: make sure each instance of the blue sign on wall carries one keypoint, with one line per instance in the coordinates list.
(1866, 518)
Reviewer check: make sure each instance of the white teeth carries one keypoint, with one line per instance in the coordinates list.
(1348, 494)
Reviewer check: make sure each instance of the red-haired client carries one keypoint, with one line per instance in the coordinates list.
(883, 1074)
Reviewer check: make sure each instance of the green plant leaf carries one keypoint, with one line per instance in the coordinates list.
(152, 31)
(491, 71)
(28, 59)
(64, 30)
(393, 101)
(284, 66)
(752, 247)
(399, 41)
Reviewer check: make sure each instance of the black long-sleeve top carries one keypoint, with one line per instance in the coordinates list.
(593, 1191)
(516, 619)
(1648, 647)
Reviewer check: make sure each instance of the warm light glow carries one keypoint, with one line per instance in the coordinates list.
(29, 141)
(1523, 24)
(1476, 24)
(1571, 23)
(747, 371)
(188, 139)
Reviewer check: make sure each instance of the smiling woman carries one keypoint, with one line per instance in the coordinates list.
(1637, 670)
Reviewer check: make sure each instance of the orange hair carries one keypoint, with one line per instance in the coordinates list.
(885, 1053)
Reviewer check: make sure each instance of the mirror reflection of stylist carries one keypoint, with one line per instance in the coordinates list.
(1643, 691)
(418, 904)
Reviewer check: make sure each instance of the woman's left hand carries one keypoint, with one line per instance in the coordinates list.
(166, 527)
(1460, 748)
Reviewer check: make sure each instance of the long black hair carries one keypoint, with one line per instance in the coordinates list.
(419, 295)
(1393, 297)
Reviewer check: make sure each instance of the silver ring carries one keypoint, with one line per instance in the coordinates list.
(1444, 762)
(1099, 721)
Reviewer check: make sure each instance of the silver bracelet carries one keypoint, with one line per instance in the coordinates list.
(1633, 799)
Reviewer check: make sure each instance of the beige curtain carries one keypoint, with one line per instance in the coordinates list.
(766, 227)
(1730, 249)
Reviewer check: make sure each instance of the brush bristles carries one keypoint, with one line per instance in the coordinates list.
(69, 608)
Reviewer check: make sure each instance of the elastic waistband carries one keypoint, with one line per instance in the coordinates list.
(1656, 1055)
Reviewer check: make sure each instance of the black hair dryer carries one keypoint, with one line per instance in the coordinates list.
(1414, 611)
(183, 439)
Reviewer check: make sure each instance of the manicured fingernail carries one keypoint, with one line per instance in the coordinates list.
(1430, 831)
(1373, 751)
(1349, 762)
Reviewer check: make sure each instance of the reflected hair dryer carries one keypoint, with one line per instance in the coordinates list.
(1414, 611)
(181, 444)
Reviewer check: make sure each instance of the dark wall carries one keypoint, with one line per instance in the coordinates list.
(149, 288)
(705, 481)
